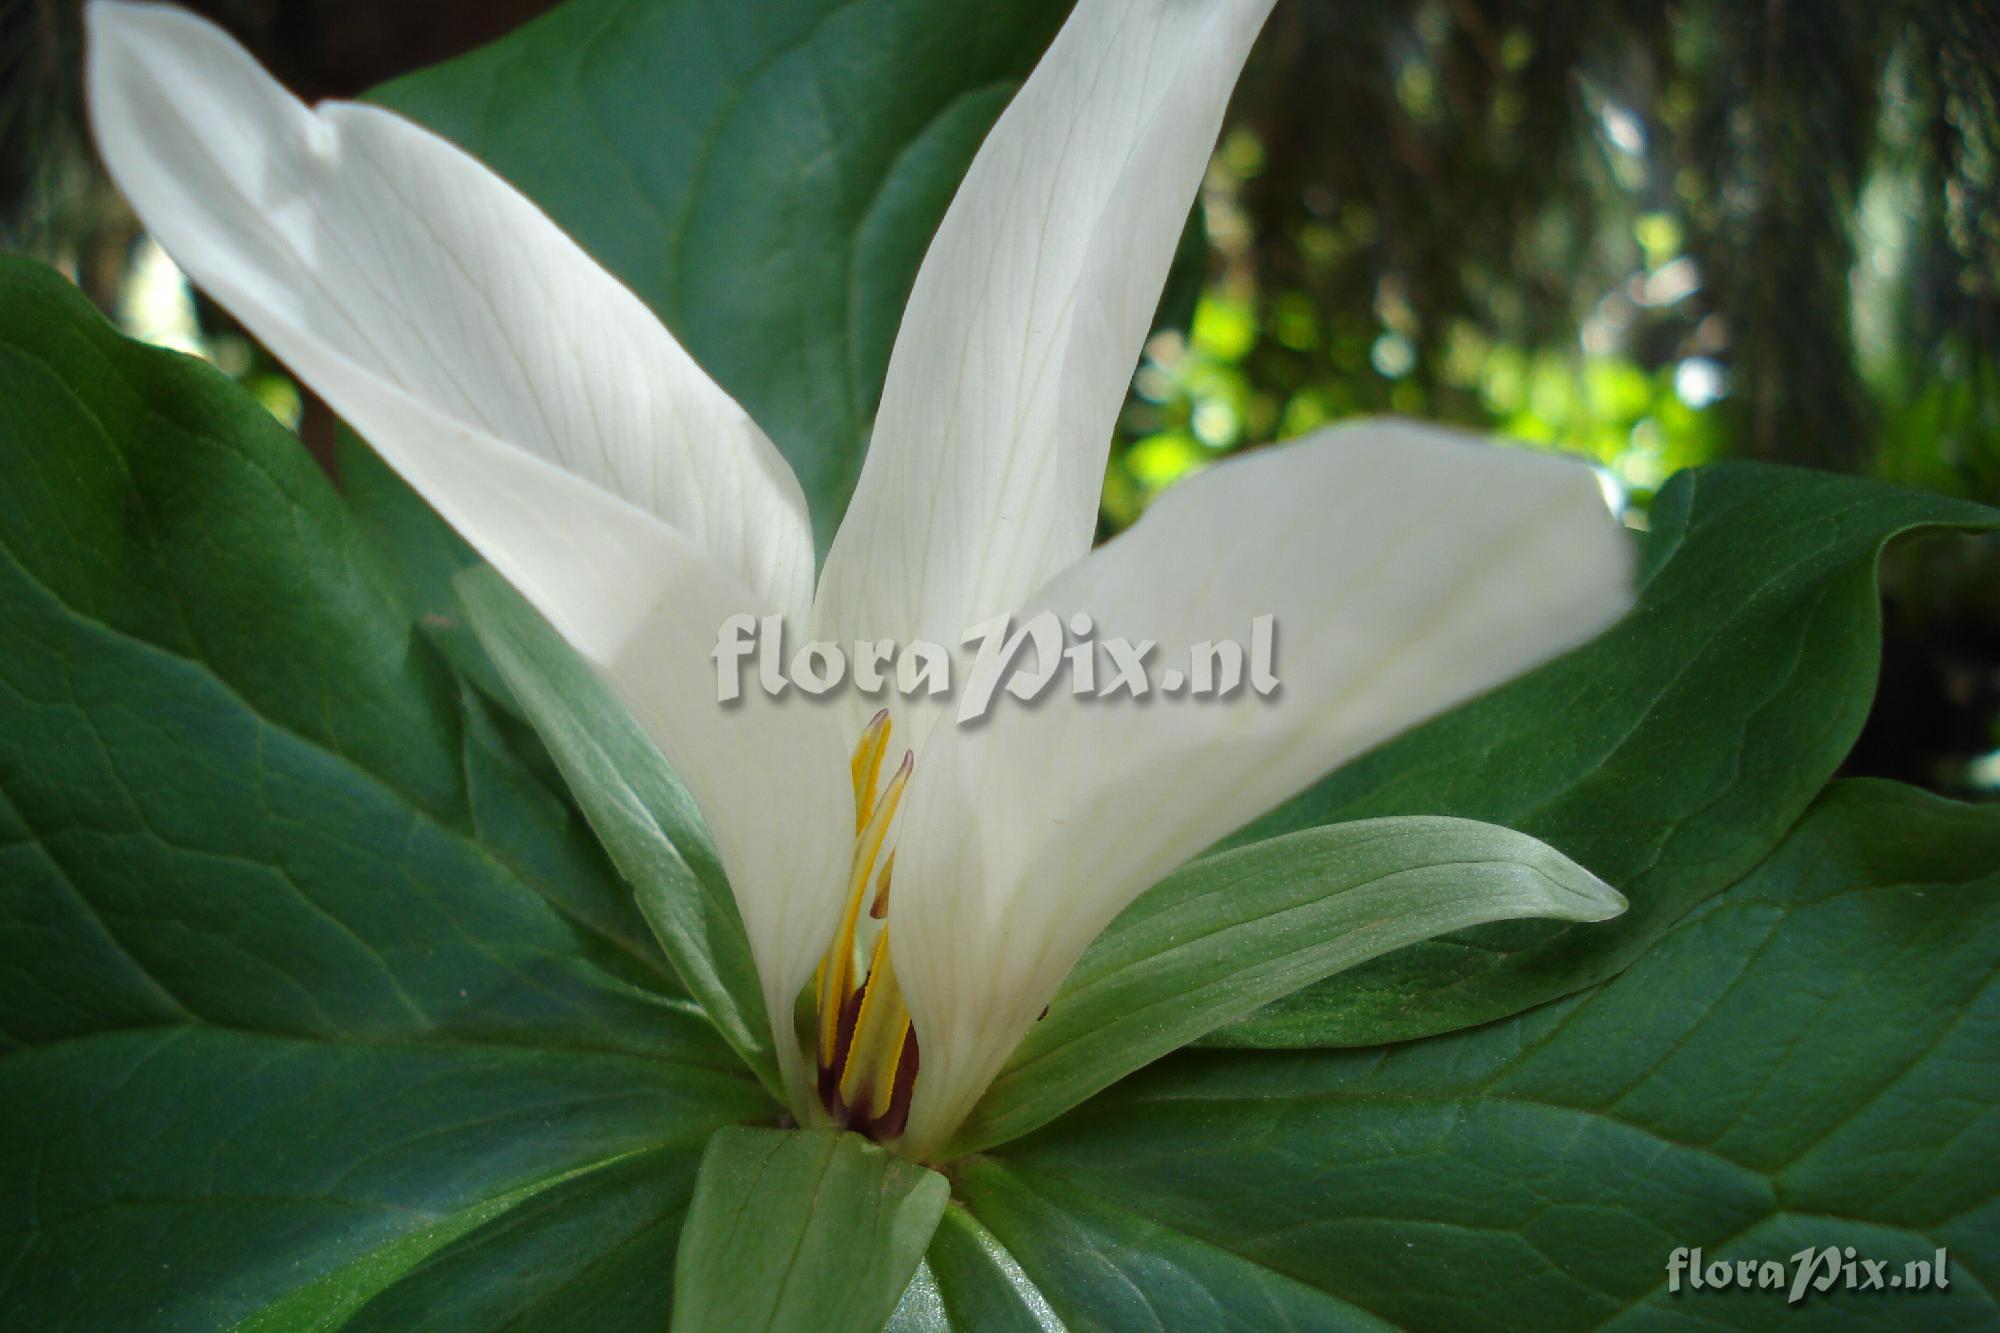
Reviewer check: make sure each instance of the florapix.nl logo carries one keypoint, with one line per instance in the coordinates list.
(1820, 1269)
(996, 657)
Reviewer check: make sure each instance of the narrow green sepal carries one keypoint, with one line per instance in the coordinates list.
(801, 1229)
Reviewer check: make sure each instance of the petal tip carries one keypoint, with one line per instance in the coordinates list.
(1590, 899)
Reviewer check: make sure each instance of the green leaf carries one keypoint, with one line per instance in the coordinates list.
(1807, 1059)
(194, 1177)
(765, 177)
(640, 809)
(1669, 756)
(806, 1228)
(1233, 931)
(306, 980)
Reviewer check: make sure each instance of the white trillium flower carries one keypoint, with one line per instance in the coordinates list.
(545, 412)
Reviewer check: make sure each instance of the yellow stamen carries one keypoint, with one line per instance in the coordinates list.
(869, 1081)
(866, 767)
(864, 1032)
(836, 973)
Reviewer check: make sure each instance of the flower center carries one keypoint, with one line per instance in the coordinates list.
(866, 1046)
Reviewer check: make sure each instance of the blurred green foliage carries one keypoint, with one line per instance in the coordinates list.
(1656, 234)
(1254, 367)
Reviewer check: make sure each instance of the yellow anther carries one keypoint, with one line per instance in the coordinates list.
(836, 973)
(864, 1033)
(866, 767)
(868, 1083)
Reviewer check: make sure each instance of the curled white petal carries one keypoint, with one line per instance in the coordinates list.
(346, 230)
(1406, 569)
(535, 402)
(643, 607)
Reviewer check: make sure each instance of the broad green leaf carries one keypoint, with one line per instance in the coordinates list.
(765, 176)
(804, 1228)
(306, 979)
(640, 809)
(1233, 931)
(195, 1177)
(1807, 1059)
(1668, 757)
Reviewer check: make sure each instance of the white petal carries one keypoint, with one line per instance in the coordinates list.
(1019, 341)
(529, 397)
(1407, 569)
(349, 231)
(643, 606)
